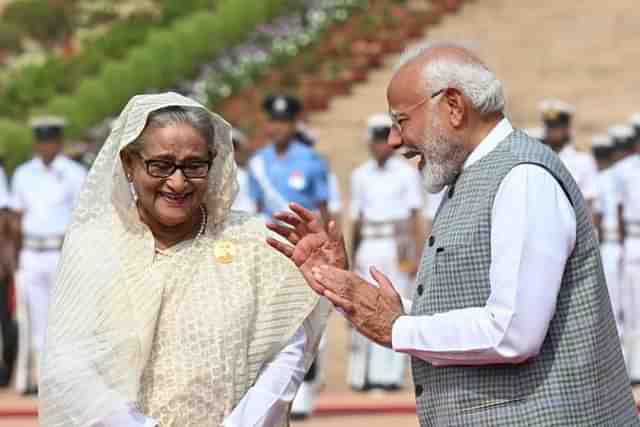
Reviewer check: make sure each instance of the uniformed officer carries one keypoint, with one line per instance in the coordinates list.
(627, 175)
(386, 200)
(557, 116)
(289, 170)
(241, 153)
(43, 193)
(606, 206)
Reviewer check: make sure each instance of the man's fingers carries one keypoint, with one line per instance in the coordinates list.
(313, 284)
(338, 301)
(284, 231)
(385, 284)
(333, 231)
(283, 248)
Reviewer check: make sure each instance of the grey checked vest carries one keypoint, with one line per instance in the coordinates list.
(579, 377)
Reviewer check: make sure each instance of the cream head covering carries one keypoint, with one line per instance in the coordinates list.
(108, 295)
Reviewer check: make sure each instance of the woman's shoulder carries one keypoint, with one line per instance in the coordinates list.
(242, 227)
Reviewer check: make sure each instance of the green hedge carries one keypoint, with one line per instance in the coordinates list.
(166, 57)
(36, 84)
(15, 143)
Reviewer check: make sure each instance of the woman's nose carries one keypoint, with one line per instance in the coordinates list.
(177, 181)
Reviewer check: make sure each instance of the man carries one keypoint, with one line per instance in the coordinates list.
(243, 201)
(557, 116)
(287, 171)
(511, 323)
(7, 269)
(385, 203)
(606, 207)
(627, 174)
(44, 192)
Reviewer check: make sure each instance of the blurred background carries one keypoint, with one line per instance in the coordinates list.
(83, 59)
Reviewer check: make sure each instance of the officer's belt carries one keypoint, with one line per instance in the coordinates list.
(384, 229)
(42, 243)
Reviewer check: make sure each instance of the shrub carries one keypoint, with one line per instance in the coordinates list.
(15, 144)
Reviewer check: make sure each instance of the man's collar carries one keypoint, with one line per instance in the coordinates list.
(499, 133)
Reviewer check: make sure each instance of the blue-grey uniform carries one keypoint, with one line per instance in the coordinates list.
(300, 176)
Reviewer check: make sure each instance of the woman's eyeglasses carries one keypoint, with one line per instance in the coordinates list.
(166, 168)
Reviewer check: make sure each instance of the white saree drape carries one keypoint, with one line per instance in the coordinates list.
(123, 316)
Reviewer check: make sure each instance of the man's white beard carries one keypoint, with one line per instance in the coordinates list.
(444, 159)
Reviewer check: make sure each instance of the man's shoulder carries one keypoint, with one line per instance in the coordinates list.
(73, 167)
(300, 150)
(523, 148)
(24, 169)
(265, 151)
(363, 170)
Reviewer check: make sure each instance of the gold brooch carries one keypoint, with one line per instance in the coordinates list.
(224, 251)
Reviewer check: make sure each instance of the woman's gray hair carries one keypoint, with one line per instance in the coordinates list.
(472, 78)
(198, 118)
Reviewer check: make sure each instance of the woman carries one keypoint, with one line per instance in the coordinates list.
(169, 309)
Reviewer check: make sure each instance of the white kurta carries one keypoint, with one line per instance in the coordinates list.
(532, 235)
(627, 174)
(381, 195)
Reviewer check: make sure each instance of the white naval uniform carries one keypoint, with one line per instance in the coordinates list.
(583, 169)
(606, 204)
(243, 201)
(46, 197)
(334, 204)
(381, 195)
(627, 174)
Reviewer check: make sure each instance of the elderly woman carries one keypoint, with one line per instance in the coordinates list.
(169, 308)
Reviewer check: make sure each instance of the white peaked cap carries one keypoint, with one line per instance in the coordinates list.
(601, 140)
(621, 131)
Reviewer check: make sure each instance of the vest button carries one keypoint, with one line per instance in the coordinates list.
(432, 241)
(419, 390)
(420, 290)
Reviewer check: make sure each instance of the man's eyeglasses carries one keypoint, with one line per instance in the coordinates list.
(166, 168)
(396, 115)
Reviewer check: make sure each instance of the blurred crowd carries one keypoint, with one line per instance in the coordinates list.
(388, 208)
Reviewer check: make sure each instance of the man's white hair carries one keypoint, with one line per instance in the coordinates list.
(472, 78)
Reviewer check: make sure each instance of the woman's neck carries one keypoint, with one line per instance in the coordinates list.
(168, 236)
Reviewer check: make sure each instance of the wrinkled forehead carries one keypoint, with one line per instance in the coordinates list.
(176, 140)
(406, 88)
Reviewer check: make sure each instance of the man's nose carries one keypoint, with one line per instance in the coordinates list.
(395, 138)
